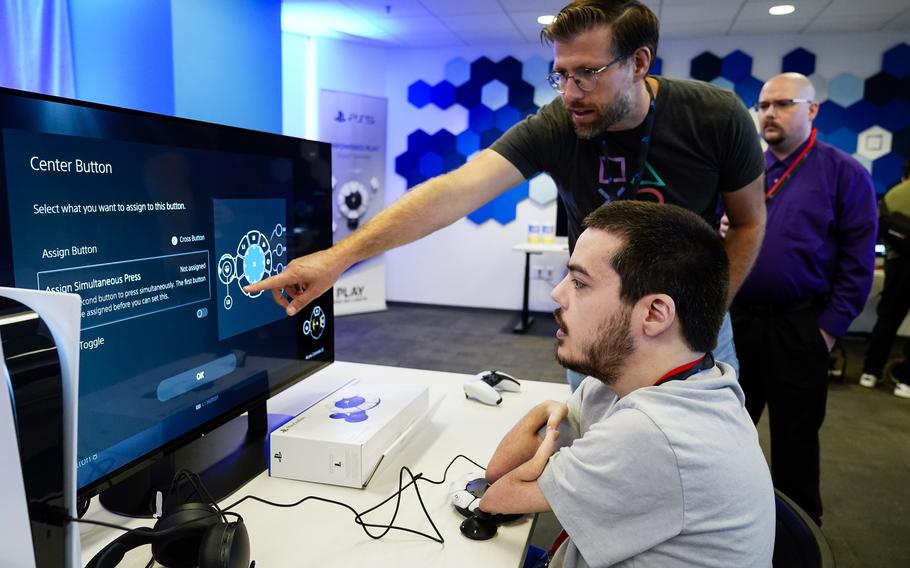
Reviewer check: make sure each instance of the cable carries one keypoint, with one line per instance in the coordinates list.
(358, 517)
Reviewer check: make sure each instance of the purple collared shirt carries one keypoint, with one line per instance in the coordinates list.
(820, 237)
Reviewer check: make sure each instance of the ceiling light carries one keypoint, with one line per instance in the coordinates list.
(781, 9)
(545, 20)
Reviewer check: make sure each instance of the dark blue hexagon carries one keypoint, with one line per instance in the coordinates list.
(521, 95)
(748, 90)
(880, 88)
(799, 61)
(887, 169)
(705, 67)
(896, 60)
(480, 118)
(904, 89)
(406, 165)
(505, 117)
(843, 138)
(489, 136)
(501, 209)
(830, 116)
(483, 70)
(418, 141)
(453, 161)
(737, 66)
(508, 70)
(419, 94)
(900, 142)
(443, 94)
(657, 66)
(467, 142)
(430, 164)
(895, 115)
(468, 95)
(443, 142)
(860, 116)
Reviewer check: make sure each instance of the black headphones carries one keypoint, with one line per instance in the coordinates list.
(193, 534)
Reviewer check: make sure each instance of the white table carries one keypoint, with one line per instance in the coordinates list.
(532, 248)
(320, 534)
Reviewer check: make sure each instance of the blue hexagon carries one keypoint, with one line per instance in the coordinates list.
(860, 116)
(430, 164)
(521, 96)
(799, 61)
(535, 70)
(505, 117)
(657, 66)
(895, 116)
(748, 90)
(480, 118)
(897, 60)
(406, 165)
(467, 142)
(887, 169)
(468, 94)
(880, 88)
(737, 66)
(705, 66)
(845, 89)
(489, 136)
(501, 209)
(900, 142)
(508, 70)
(453, 161)
(843, 138)
(830, 116)
(494, 94)
(443, 94)
(483, 70)
(418, 141)
(419, 94)
(457, 71)
(443, 142)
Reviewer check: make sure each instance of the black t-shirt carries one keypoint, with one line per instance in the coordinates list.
(703, 142)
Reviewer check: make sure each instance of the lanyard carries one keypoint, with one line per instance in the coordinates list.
(791, 171)
(616, 188)
(685, 371)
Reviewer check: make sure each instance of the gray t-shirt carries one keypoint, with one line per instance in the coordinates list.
(667, 476)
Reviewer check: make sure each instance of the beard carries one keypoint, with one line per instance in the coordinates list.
(778, 136)
(607, 115)
(603, 357)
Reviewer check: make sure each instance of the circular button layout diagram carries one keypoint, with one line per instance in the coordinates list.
(255, 260)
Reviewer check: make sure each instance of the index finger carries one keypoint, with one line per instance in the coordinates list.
(276, 282)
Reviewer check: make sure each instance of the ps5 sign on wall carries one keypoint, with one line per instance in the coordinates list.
(355, 125)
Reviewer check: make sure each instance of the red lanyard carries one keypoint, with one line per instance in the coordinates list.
(772, 193)
(685, 371)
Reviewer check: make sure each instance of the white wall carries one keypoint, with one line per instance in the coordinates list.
(473, 265)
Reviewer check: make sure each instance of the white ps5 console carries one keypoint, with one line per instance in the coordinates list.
(39, 385)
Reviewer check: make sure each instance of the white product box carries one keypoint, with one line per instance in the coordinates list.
(342, 439)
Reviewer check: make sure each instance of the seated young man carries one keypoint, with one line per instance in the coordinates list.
(654, 461)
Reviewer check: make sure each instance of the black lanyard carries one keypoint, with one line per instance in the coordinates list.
(622, 187)
(685, 371)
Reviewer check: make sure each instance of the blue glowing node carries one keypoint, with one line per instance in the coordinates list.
(256, 258)
(254, 264)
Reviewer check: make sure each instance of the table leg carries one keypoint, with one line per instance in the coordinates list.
(526, 320)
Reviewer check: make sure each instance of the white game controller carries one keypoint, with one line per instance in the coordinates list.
(466, 491)
(486, 386)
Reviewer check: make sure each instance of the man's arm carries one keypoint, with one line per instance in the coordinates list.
(518, 491)
(523, 441)
(746, 209)
(428, 207)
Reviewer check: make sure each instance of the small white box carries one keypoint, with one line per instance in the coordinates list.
(342, 439)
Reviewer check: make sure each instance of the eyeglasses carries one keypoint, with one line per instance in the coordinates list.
(585, 79)
(781, 104)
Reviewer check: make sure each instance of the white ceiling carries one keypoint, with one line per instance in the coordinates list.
(427, 23)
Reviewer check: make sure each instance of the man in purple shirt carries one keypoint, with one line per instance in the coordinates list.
(812, 277)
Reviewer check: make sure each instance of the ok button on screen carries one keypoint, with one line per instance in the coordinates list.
(196, 377)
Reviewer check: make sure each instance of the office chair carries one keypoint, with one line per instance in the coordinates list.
(798, 542)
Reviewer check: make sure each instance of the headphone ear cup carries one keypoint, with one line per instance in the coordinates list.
(181, 549)
(225, 545)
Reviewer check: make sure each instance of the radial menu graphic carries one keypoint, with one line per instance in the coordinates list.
(251, 245)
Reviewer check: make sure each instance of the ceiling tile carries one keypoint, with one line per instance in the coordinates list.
(714, 10)
(450, 7)
(377, 8)
(854, 23)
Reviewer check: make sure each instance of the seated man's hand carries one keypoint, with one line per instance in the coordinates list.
(303, 280)
(556, 412)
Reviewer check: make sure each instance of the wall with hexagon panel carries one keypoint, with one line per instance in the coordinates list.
(445, 104)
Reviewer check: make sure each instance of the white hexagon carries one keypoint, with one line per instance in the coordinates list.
(845, 89)
(543, 93)
(874, 142)
(542, 189)
(494, 95)
(821, 87)
(723, 83)
(535, 69)
(457, 71)
(866, 162)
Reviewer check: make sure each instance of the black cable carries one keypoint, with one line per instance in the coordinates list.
(358, 517)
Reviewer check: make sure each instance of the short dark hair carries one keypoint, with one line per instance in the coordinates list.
(633, 24)
(669, 250)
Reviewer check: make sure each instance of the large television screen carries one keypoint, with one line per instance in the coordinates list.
(157, 223)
